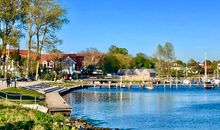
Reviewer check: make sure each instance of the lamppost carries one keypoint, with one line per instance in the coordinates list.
(41, 73)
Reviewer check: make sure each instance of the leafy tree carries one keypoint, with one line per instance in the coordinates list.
(165, 55)
(142, 61)
(49, 19)
(124, 60)
(192, 63)
(110, 64)
(92, 56)
(55, 51)
(10, 15)
(116, 50)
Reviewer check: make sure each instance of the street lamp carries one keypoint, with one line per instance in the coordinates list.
(41, 72)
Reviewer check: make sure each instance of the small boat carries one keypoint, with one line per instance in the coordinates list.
(149, 86)
(208, 85)
(186, 82)
(216, 81)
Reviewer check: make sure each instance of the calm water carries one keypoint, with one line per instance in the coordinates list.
(137, 108)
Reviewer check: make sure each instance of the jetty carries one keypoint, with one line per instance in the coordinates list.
(56, 104)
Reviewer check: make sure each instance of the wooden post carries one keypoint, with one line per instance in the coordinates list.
(190, 84)
(35, 99)
(176, 84)
(164, 85)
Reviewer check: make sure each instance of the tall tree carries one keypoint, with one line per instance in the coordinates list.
(165, 55)
(50, 17)
(10, 14)
(110, 64)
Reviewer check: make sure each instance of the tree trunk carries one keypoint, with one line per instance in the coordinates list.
(29, 52)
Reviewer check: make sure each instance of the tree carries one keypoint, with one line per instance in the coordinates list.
(165, 55)
(92, 56)
(110, 64)
(10, 15)
(49, 19)
(116, 50)
(55, 51)
(122, 56)
(142, 61)
(192, 63)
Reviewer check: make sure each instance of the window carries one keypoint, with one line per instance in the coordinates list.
(45, 64)
(51, 64)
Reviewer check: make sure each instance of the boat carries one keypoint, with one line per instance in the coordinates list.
(186, 82)
(207, 83)
(149, 86)
(216, 81)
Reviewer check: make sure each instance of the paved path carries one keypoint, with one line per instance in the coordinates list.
(20, 84)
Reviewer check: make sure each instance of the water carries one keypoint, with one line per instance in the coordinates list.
(137, 108)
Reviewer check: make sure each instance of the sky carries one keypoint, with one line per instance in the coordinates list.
(192, 26)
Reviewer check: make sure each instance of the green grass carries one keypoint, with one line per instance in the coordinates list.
(65, 84)
(14, 116)
(22, 91)
(23, 96)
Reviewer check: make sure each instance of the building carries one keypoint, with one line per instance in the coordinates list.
(137, 74)
(68, 63)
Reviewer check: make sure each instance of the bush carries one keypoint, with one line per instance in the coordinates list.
(58, 118)
(49, 76)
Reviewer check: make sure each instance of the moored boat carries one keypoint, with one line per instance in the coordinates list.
(149, 86)
(208, 85)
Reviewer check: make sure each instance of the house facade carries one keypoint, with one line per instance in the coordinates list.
(137, 74)
(67, 63)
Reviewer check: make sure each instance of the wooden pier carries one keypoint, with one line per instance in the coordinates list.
(56, 104)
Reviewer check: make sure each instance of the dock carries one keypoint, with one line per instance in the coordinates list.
(56, 104)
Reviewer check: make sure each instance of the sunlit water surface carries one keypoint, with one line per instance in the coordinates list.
(138, 108)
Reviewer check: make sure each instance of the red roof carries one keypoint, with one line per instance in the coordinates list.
(51, 57)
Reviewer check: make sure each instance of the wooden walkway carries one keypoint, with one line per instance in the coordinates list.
(56, 104)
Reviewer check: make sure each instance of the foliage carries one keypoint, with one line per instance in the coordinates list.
(13, 116)
(114, 49)
(166, 52)
(110, 64)
(92, 56)
(48, 76)
(165, 55)
(55, 51)
(141, 61)
(192, 63)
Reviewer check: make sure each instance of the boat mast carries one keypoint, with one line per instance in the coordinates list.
(205, 66)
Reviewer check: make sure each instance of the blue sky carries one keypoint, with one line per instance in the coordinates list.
(192, 26)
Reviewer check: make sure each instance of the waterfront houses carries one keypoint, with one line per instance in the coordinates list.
(66, 63)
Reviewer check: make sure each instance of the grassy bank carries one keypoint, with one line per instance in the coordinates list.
(22, 91)
(23, 96)
(13, 116)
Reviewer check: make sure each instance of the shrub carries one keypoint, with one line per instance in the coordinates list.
(48, 76)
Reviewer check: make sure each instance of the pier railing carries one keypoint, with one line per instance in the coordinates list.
(20, 98)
